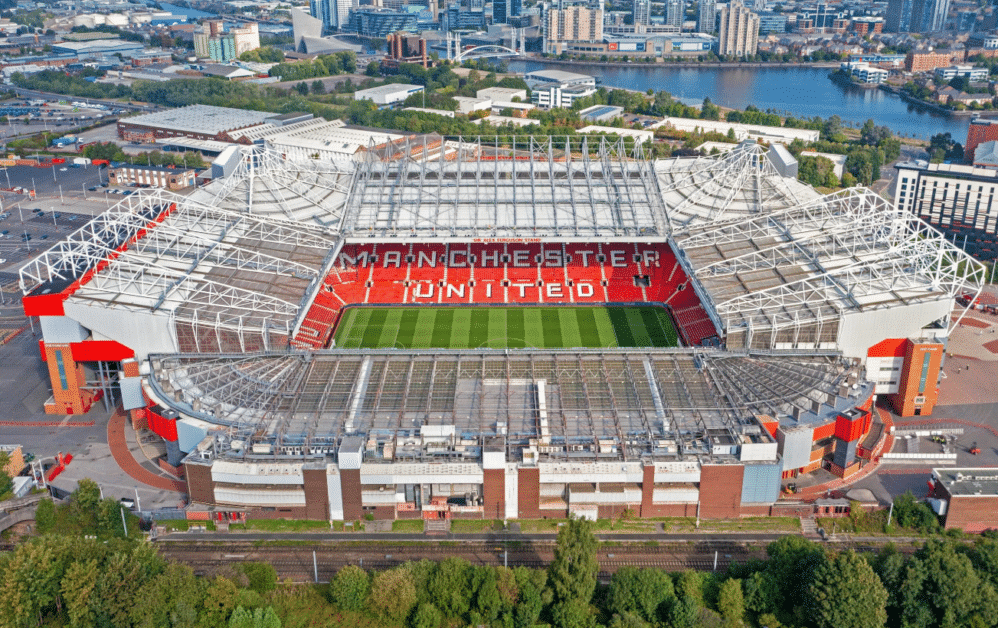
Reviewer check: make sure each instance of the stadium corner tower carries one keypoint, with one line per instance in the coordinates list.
(212, 318)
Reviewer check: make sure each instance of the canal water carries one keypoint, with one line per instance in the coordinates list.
(800, 91)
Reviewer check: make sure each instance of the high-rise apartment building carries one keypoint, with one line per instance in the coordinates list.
(674, 12)
(706, 16)
(932, 15)
(212, 41)
(575, 23)
(916, 16)
(642, 12)
(335, 14)
(739, 31)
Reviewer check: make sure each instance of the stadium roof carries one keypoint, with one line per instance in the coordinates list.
(739, 184)
(809, 264)
(526, 190)
(202, 265)
(267, 185)
(620, 404)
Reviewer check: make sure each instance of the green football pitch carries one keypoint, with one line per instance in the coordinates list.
(504, 327)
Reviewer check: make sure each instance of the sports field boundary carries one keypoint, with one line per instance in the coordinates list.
(624, 325)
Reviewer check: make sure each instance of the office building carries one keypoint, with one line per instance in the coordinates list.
(739, 31)
(381, 22)
(706, 16)
(958, 200)
(772, 23)
(968, 72)
(500, 11)
(335, 14)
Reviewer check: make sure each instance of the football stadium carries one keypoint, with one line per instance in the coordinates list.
(470, 328)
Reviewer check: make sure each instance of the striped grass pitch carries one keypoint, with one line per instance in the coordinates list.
(504, 327)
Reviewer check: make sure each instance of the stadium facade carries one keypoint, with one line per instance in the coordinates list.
(211, 318)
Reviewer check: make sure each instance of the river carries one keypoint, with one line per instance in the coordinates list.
(801, 91)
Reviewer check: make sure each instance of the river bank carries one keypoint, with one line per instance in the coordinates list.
(802, 92)
(676, 64)
(969, 113)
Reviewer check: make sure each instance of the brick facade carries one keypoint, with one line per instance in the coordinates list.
(721, 491)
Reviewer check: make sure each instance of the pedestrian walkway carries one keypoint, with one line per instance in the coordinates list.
(125, 458)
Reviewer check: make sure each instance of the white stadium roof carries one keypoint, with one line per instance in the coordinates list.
(231, 267)
(738, 184)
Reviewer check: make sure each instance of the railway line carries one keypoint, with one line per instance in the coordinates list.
(307, 562)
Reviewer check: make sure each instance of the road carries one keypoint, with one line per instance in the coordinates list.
(30, 93)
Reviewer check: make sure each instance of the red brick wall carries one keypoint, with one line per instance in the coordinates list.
(528, 482)
(494, 493)
(316, 494)
(721, 491)
(647, 490)
(911, 373)
(352, 500)
(200, 486)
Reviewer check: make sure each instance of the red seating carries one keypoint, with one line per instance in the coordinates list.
(467, 273)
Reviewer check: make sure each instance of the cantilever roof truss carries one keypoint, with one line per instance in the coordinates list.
(527, 188)
(628, 402)
(847, 251)
(196, 261)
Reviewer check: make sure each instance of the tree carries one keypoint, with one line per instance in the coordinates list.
(393, 594)
(572, 573)
(6, 483)
(845, 593)
(448, 586)
(426, 616)
(262, 576)
(257, 618)
(683, 613)
(318, 87)
(45, 515)
(349, 588)
(572, 614)
(731, 601)
(639, 591)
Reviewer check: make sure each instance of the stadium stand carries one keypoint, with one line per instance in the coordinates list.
(512, 273)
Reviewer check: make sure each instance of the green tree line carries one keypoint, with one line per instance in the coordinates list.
(106, 579)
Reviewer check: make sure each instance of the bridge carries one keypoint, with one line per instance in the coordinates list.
(483, 52)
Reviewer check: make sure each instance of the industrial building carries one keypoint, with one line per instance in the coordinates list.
(202, 122)
(388, 95)
(152, 176)
(968, 497)
(211, 316)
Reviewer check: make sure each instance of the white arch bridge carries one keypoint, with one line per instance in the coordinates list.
(484, 52)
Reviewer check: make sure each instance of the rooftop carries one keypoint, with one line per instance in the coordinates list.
(204, 119)
(558, 76)
(986, 154)
(969, 481)
(605, 404)
(391, 88)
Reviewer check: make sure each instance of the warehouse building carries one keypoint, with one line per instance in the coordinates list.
(202, 122)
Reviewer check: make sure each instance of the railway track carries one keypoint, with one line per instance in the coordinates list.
(296, 562)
